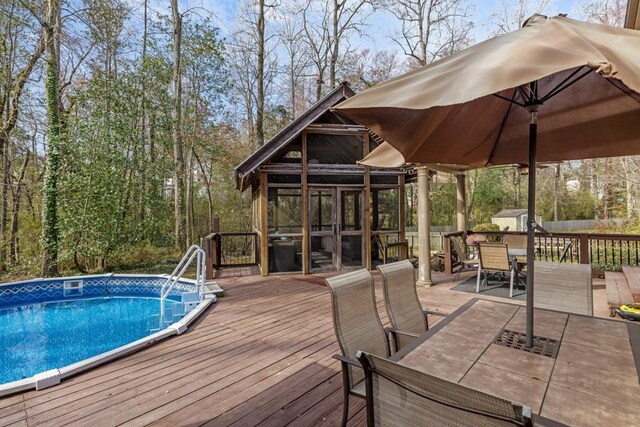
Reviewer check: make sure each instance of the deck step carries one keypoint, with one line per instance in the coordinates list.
(212, 288)
(618, 292)
(632, 274)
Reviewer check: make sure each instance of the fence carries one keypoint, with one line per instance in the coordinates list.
(605, 252)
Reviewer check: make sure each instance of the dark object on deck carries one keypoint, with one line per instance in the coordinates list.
(629, 311)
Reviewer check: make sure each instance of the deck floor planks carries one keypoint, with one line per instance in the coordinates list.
(210, 399)
(262, 354)
(154, 351)
(162, 377)
(232, 343)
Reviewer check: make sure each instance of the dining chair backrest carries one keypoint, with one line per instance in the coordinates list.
(563, 287)
(401, 297)
(401, 396)
(458, 249)
(494, 256)
(355, 317)
(516, 241)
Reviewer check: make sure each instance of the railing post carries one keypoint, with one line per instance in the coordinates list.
(584, 249)
(448, 260)
(208, 246)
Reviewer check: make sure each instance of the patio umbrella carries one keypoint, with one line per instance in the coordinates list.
(481, 106)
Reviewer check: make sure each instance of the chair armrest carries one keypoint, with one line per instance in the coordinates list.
(435, 313)
(399, 332)
(347, 360)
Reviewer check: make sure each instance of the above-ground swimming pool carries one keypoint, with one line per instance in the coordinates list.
(53, 328)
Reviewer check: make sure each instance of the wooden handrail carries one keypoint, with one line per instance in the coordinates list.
(603, 251)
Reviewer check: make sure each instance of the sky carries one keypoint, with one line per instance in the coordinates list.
(224, 12)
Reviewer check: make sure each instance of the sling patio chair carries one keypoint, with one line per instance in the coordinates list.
(494, 257)
(400, 396)
(357, 327)
(564, 287)
(466, 262)
(407, 317)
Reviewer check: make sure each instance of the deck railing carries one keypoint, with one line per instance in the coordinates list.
(235, 249)
(605, 252)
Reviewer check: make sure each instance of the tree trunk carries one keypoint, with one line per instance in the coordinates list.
(54, 140)
(260, 76)
(178, 175)
(335, 49)
(15, 215)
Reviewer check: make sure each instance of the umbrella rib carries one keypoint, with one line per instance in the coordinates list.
(509, 100)
(504, 121)
(618, 84)
(565, 84)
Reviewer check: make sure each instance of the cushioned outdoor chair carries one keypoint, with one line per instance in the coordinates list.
(466, 263)
(400, 396)
(406, 315)
(357, 326)
(494, 257)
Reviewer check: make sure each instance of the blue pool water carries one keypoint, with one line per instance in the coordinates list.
(39, 337)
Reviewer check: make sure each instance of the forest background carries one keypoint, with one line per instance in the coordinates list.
(121, 120)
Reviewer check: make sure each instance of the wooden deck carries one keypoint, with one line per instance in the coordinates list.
(260, 356)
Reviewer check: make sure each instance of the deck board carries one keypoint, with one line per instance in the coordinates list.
(260, 356)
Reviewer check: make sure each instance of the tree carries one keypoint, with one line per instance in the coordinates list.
(51, 27)
(431, 29)
(14, 77)
(178, 154)
(509, 15)
(607, 12)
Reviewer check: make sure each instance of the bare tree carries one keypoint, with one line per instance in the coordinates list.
(509, 15)
(607, 12)
(328, 26)
(431, 29)
(291, 35)
(347, 19)
(14, 75)
(365, 68)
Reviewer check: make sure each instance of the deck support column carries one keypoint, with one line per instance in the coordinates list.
(461, 202)
(424, 221)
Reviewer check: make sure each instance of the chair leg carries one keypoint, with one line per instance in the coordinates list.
(478, 280)
(345, 391)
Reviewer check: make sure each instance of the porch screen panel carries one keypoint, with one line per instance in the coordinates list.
(385, 209)
(284, 215)
(284, 211)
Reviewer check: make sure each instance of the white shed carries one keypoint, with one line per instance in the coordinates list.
(515, 219)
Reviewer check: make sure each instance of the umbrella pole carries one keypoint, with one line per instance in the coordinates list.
(531, 218)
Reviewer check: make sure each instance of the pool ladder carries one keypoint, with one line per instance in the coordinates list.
(194, 252)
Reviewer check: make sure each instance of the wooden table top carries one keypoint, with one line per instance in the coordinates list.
(593, 381)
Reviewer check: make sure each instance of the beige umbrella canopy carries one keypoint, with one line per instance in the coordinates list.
(454, 110)
(481, 106)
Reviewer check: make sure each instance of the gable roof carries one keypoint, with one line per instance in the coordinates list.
(246, 170)
(509, 213)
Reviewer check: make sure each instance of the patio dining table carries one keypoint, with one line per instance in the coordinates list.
(584, 370)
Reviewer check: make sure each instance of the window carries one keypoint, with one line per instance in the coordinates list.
(284, 211)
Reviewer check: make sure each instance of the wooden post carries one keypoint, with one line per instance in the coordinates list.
(306, 262)
(461, 212)
(264, 241)
(424, 221)
(367, 207)
(584, 249)
(402, 220)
